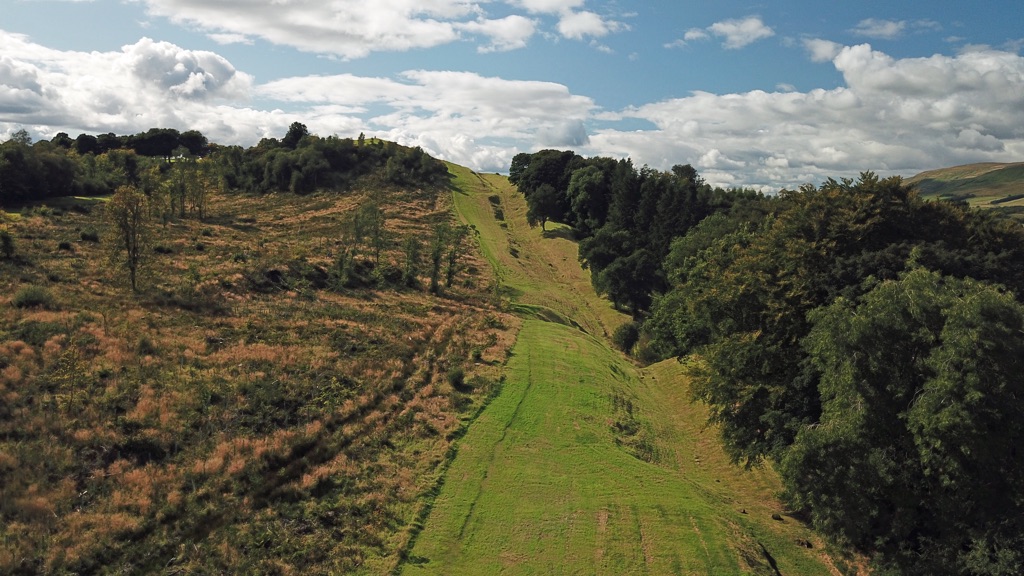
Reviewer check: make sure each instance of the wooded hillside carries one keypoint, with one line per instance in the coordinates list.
(862, 339)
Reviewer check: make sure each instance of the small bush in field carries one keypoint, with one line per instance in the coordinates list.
(6, 244)
(33, 296)
(457, 378)
(90, 235)
(626, 336)
(65, 246)
(145, 347)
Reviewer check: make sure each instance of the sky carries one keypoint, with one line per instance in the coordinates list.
(765, 95)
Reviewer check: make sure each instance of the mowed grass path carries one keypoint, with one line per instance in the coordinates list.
(538, 270)
(541, 483)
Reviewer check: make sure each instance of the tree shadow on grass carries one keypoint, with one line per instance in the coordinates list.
(561, 232)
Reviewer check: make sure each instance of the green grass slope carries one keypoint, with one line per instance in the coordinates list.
(984, 185)
(547, 482)
(539, 272)
(584, 464)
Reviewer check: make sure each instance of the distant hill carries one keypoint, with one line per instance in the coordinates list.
(989, 185)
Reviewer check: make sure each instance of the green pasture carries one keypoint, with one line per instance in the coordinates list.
(984, 185)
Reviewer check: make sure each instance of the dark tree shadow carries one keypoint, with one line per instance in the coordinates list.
(566, 233)
(770, 559)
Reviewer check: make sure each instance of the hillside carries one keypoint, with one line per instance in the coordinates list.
(585, 463)
(244, 412)
(986, 185)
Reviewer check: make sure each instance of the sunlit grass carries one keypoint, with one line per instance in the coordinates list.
(533, 267)
(193, 426)
(548, 482)
(584, 464)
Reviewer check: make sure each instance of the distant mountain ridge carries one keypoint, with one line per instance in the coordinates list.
(985, 184)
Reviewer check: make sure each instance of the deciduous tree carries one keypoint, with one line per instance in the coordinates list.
(128, 216)
(916, 451)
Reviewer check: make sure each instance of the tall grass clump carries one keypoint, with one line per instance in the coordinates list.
(33, 297)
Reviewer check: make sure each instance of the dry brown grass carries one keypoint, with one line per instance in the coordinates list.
(203, 425)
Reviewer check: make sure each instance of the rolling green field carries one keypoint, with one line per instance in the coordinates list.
(986, 185)
(585, 464)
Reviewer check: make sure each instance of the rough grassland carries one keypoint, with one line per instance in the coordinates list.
(240, 414)
(584, 464)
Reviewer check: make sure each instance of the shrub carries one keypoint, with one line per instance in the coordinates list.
(492, 321)
(65, 246)
(33, 296)
(37, 333)
(457, 378)
(388, 274)
(6, 244)
(90, 235)
(145, 347)
(626, 336)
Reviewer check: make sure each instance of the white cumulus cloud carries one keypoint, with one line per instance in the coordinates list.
(892, 116)
(459, 116)
(881, 29)
(355, 28)
(348, 28)
(735, 34)
(579, 25)
(509, 33)
(144, 84)
(548, 6)
(696, 34)
(740, 33)
(822, 50)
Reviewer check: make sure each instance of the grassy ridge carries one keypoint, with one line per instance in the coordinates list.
(546, 480)
(540, 484)
(583, 464)
(984, 185)
(533, 268)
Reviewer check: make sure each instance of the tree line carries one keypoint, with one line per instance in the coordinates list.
(867, 342)
(300, 162)
(625, 218)
(162, 175)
